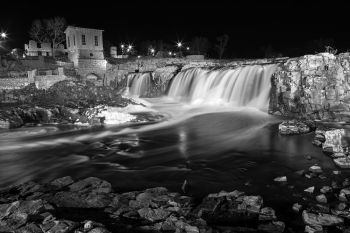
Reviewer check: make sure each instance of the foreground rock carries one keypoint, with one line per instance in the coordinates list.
(293, 127)
(52, 207)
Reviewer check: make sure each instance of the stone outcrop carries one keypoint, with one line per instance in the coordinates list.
(313, 86)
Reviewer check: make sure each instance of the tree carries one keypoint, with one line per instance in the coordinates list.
(200, 45)
(221, 44)
(37, 32)
(49, 30)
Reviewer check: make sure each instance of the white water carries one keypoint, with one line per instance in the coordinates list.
(247, 86)
(138, 84)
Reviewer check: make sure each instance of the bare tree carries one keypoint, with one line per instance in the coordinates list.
(55, 30)
(49, 30)
(37, 31)
(221, 44)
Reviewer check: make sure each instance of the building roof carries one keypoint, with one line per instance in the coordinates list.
(80, 28)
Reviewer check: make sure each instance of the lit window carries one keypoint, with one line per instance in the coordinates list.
(96, 40)
(83, 41)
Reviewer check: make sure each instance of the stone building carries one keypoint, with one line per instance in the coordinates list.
(85, 50)
(34, 48)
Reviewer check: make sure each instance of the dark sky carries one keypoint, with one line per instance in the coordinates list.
(288, 26)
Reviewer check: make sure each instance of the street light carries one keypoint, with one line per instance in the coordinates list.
(179, 44)
(187, 48)
(3, 35)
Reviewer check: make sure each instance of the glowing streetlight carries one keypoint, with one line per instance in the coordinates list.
(179, 44)
(152, 50)
(3, 35)
(187, 48)
(170, 53)
(130, 47)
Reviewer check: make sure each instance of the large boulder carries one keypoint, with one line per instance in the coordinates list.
(293, 127)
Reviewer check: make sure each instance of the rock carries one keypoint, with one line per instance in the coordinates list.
(317, 143)
(252, 203)
(62, 182)
(338, 155)
(313, 229)
(342, 197)
(325, 189)
(341, 206)
(280, 179)
(62, 226)
(88, 193)
(272, 227)
(99, 230)
(315, 169)
(267, 214)
(321, 198)
(297, 207)
(153, 214)
(310, 189)
(333, 141)
(321, 219)
(336, 172)
(342, 162)
(16, 214)
(308, 157)
(30, 228)
(293, 127)
(191, 229)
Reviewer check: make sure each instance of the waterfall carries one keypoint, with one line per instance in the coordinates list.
(138, 84)
(244, 86)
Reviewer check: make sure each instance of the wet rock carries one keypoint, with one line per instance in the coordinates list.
(88, 193)
(62, 182)
(297, 207)
(30, 228)
(341, 206)
(267, 214)
(99, 230)
(338, 155)
(61, 226)
(280, 179)
(342, 162)
(153, 214)
(313, 229)
(310, 189)
(333, 141)
(251, 203)
(325, 189)
(16, 214)
(321, 219)
(315, 169)
(317, 143)
(321, 198)
(272, 227)
(293, 127)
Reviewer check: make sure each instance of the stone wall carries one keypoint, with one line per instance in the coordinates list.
(13, 83)
(91, 66)
(45, 82)
(313, 86)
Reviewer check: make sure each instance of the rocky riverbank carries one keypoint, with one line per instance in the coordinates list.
(69, 102)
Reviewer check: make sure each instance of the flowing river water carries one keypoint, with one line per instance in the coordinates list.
(227, 144)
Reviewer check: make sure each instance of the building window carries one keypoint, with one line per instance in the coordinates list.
(74, 40)
(38, 45)
(83, 40)
(96, 40)
(91, 54)
(68, 42)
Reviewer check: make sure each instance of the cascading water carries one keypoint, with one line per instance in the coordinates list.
(244, 86)
(138, 84)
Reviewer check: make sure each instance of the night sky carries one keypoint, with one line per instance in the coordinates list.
(289, 27)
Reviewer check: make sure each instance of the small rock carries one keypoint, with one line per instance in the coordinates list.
(267, 214)
(325, 189)
(321, 198)
(297, 207)
(310, 189)
(336, 172)
(99, 230)
(321, 219)
(300, 172)
(342, 162)
(342, 197)
(280, 179)
(308, 157)
(191, 229)
(313, 229)
(338, 155)
(62, 182)
(315, 169)
(153, 214)
(341, 206)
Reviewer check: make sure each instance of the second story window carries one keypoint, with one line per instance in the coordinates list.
(68, 42)
(96, 40)
(83, 40)
(74, 40)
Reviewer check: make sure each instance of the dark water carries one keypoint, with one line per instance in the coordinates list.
(212, 150)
